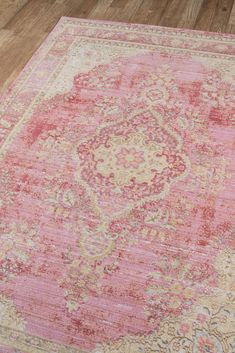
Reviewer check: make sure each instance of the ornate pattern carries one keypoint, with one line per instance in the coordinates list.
(136, 159)
(116, 203)
(14, 258)
(201, 333)
(9, 317)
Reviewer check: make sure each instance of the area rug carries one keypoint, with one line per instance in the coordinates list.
(117, 197)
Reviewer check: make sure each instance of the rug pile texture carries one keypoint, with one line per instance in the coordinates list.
(117, 193)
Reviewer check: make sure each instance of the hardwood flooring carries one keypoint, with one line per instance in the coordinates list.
(25, 23)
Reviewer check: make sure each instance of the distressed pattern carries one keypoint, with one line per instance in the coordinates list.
(116, 193)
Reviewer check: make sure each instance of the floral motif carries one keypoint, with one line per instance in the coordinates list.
(81, 281)
(125, 158)
(9, 316)
(172, 289)
(16, 240)
(206, 344)
(129, 162)
(130, 158)
(219, 94)
(185, 333)
(157, 87)
(7, 193)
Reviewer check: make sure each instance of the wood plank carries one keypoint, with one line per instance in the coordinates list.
(5, 36)
(232, 15)
(84, 9)
(113, 14)
(118, 4)
(206, 15)
(158, 10)
(8, 9)
(189, 14)
(26, 19)
(14, 54)
(55, 11)
(42, 15)
(172, 13)
(230, 29)
(123, 14)
(100, 9)
(143, 13)
(130, 9)
(222, 15)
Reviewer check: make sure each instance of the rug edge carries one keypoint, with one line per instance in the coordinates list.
(217, 35)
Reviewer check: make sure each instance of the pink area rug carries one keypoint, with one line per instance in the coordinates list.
(117, 198)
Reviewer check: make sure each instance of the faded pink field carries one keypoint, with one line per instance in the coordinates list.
(117, 197)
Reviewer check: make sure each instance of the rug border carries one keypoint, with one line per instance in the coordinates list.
(138, 26)
(216, 35)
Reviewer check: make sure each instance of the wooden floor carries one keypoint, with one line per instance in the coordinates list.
(25, 23)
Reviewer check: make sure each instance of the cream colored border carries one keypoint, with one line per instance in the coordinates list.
(32, 344)
(149, 29)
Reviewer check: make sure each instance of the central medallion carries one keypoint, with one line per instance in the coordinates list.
(131, 161)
